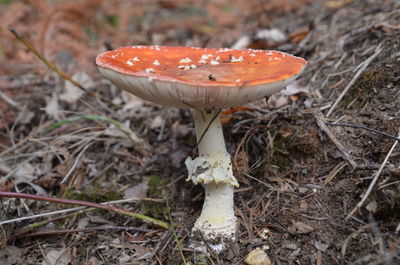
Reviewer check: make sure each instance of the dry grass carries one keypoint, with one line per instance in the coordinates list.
(300, 177)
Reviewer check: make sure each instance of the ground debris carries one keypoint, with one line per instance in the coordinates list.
(298, 178)
(300, 228)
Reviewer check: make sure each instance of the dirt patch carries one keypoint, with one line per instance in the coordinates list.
(299, 181)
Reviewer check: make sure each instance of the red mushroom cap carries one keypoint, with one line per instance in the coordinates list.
(198, 77)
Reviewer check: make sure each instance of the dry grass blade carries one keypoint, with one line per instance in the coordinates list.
(342, 149)
(4, 234)
(137, 142)
(30, 47)
(334, 172)
(374, 180)
(364, 128)
(106, 207)
(352, 81)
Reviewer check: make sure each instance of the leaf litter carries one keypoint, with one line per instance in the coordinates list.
(294, 180)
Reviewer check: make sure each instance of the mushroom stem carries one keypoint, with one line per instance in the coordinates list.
(217, 219)
(210, 136)
(213, 167)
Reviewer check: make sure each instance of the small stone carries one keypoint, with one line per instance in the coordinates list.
(372, 206)
(303, 206)
(257, 257)
(321, 246)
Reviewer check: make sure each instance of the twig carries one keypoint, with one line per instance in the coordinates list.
(171, 221)
(342, 149)
(334, 172)
(78, 158)
(351, 236)
(374, 180)
(10, 101)
(84, 230)
(106, 207)
(353, 80)
(30, 47)
(74, 209)
(363, 128)
(388, 170)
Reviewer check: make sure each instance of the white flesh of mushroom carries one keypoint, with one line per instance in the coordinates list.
(213, 168)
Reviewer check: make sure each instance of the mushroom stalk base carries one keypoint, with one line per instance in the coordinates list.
(213, 167)
(217, 220)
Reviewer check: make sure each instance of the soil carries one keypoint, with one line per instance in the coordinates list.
(318, 166)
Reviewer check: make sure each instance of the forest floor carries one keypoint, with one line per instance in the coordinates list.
(318, 164)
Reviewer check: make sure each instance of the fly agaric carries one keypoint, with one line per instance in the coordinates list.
(205, 80)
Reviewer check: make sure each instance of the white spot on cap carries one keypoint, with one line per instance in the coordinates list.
(193, 66)
(149, 70)
(136, 59)
(129, 62)
(184, 67)
(225, 50)
(237, 80)
(206, 56)
(252, 54)
(202, 61)
(214, 62)
(156, 62)
(185, 60)
(150, 79)
(235, 60)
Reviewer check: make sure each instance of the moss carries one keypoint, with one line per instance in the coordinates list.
(93, 194)
(157, 189)
(388, 212)
(201, 259)
(193, 10)
(113, 20)
(292, 142)
(191, 141)
(367, 87)
(138, 123)
(5, 2)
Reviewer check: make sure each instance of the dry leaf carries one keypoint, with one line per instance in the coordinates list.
(26, 116)
(321, 246)
(157, 122)
(372, 206)
(52, 107)
(294, 89)
(10, 255)
(300, 228)
(131, 102)
(271, 35)
(242, 42)
(289, 245)
(73, 93)
(138, 191)
(25, 173)
(58, 257)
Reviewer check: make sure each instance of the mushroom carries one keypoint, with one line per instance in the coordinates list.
(205, 80)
